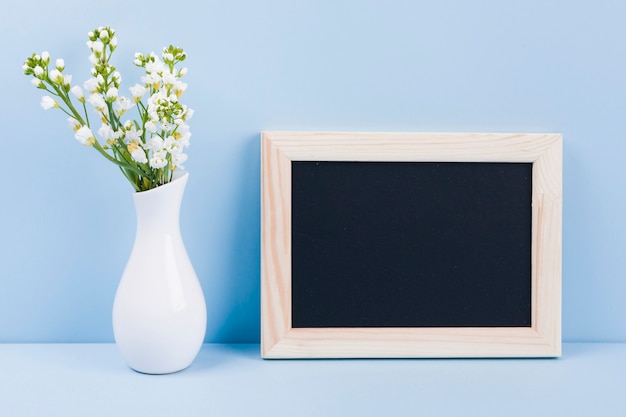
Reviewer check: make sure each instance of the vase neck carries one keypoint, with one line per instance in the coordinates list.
(160, 207)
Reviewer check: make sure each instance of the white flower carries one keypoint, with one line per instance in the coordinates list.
(166, 126)
(60, 64)
(113, 42)
(132, 133)
(155, 144)
(117, 78)
(155, 66)
(152, 78)
(168, 79)
(182, 134)
(122, 105)
(48, 102)
(107, 133)
(139, 155)
(178, 159)
(173, 146)
(97, 102)
(38, 71)
(93, 59)
(96, 46)
(158, 160)
(187, 113)
(138, 58)
(111, 94)
(179, 88)
(56, 76)
(45, 56)
(67, 80)
(137, 91)
(78, 93)
(104, 34)
(73, 124)
(182, 72)
(84, 136)
(150, 126)
(91, 85)
(37, 82)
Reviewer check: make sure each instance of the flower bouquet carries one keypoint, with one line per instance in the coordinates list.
(147, 149)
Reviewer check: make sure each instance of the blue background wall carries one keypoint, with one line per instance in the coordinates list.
(66, 215)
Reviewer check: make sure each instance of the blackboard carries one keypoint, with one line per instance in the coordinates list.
(410, 245)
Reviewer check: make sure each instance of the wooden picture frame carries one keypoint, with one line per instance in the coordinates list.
(280, 340)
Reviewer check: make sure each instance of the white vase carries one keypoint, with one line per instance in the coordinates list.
(159, 312)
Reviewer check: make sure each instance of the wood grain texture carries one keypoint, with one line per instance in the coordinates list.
(279, 340)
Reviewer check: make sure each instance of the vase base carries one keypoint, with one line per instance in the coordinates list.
(158, 372)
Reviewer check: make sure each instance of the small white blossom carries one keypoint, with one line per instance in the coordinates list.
(122, 105)
(107, 133)
(117, 78)
(84, 136)
(158, 159)
(178, 159)
(168, 79)
(56, 76)
(137, 92)
(96, 46)
(179, 88)
(139, 155)
(73, 124)
(138, 58)
(48, 102)
(156, 66)
(91, 85)
(150, 126)
(97, 102)
(132, 133)
(155, 144)
(188, 113)
(78, 93)
(60, 64)
(45, 56)
(37, 82)
(182, 133)
(173, 146)
(113, 41)
(111, 94)
(166, 126)
(152, 78)
(38, 71)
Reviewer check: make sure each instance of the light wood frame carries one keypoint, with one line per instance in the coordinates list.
(280, 340)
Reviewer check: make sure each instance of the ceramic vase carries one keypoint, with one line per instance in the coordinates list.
(159, 312)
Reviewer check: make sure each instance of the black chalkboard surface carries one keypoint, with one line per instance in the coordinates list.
(411, 244)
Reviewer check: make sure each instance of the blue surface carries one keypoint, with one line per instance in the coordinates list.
(66, 216)
(231, 380)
